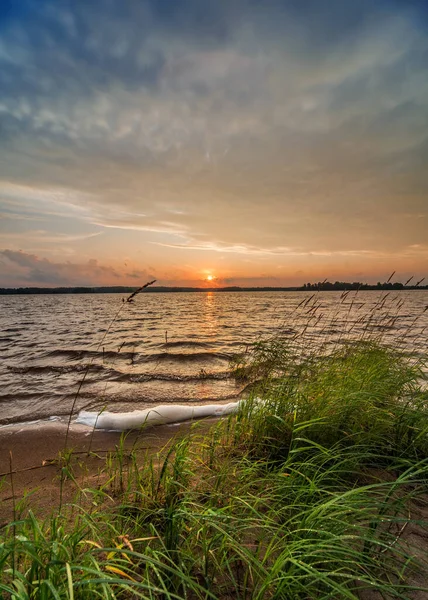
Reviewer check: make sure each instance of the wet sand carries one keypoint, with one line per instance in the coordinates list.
(29, 460)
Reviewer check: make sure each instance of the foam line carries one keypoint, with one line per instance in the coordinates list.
(159, 415)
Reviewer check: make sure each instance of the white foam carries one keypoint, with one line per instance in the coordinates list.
(159, 415)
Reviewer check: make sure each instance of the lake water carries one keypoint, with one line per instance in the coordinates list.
(172, 347)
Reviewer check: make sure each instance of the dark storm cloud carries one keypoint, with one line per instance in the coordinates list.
(275, 127)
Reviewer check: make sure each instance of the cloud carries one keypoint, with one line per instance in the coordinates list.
(227, 126)
(22, 269)
(417, 250)
(41, 235)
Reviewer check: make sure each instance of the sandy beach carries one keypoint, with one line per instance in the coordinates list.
(33, 452)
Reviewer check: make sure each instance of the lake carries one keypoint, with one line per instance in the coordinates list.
(173, 347)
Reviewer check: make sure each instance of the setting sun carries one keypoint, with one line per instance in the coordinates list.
(210, 277)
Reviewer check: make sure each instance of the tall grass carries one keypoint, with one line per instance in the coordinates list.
(362, 392)
(306, 493)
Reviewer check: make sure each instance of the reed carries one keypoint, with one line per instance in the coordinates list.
(100, 344)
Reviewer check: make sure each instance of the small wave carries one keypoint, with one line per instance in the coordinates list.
(36, 369)
(144, 377)
(186, 356)
(23, 397)
(138, 357)
(134, 319)
(52, 419)
(185, 344)
(82, 354)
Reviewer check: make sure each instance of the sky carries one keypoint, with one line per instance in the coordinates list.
(252, 142)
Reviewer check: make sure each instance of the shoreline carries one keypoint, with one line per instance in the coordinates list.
(33, 452)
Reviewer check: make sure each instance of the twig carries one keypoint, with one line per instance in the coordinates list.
(52, 462)
(140, 290)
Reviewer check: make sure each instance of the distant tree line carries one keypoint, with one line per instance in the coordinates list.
(358, 285)
(316, 286)
(129, 290)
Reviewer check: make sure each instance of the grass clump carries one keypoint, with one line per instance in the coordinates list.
(306, 493)
(362, 393)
